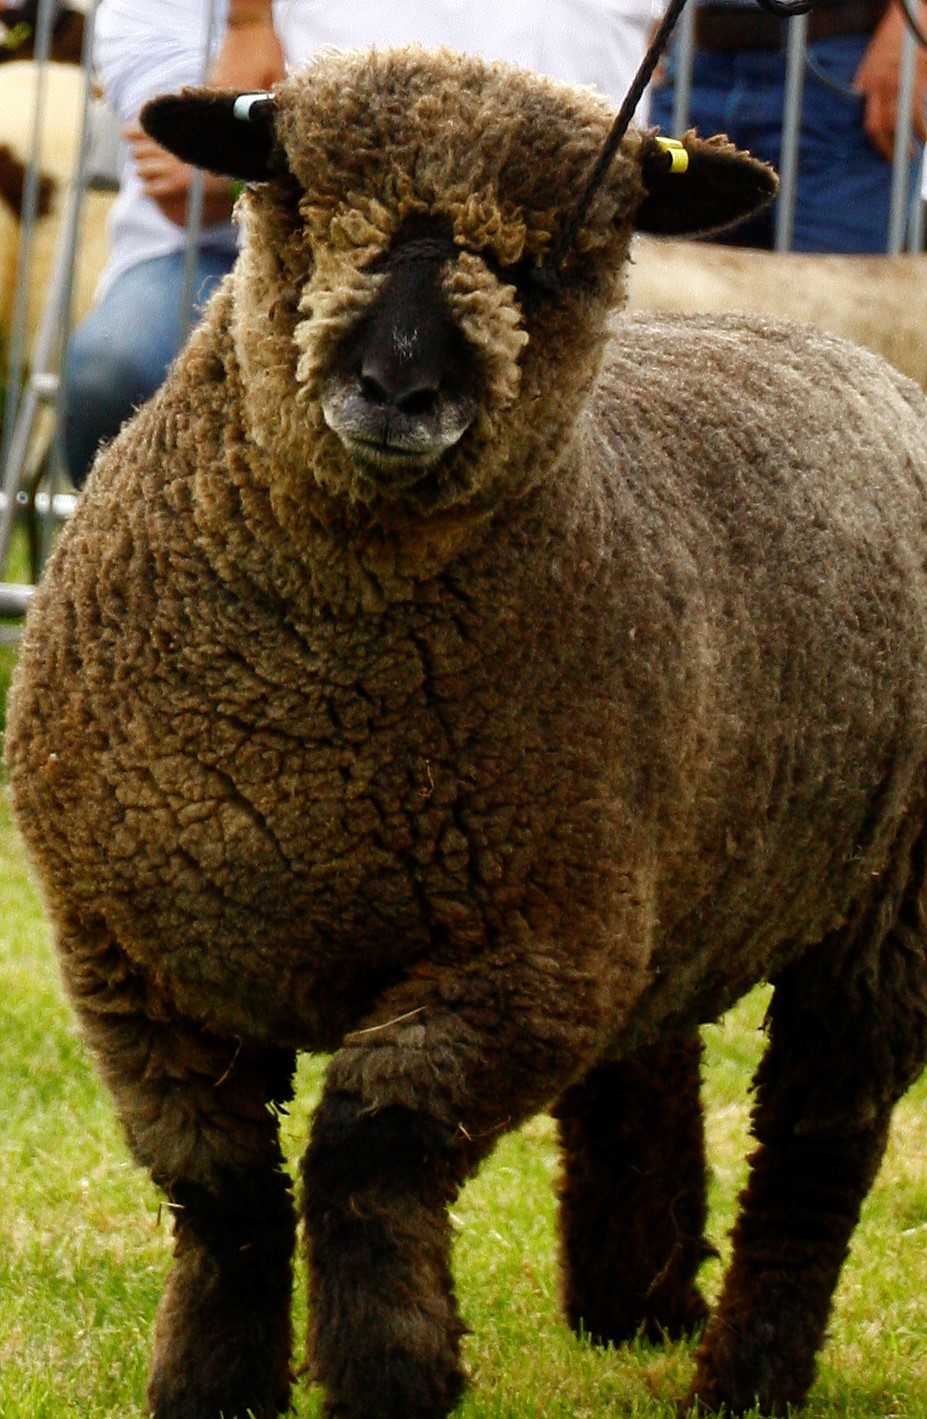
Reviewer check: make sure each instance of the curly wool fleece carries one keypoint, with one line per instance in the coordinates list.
(486, 791)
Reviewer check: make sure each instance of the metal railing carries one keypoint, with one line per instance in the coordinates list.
(906, 222)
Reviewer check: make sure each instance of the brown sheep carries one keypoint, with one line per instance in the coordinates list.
(449, 673)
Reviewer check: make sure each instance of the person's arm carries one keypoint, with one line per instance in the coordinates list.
(145, 50)
(250, 56)
(878, 79)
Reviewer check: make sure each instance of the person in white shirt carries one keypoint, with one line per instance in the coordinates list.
(118, 356)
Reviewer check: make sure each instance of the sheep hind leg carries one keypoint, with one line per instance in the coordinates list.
(839, 1056)
(633, 1196)
(197, 1111)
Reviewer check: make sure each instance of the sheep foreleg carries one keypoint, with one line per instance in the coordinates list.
(412, 1104)
(195, 1108)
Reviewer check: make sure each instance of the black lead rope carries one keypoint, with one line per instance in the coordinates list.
(619, 128)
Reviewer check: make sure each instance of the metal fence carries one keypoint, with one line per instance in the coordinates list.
(906, 220)
(33, 487)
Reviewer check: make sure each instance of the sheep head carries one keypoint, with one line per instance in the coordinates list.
(401, 335)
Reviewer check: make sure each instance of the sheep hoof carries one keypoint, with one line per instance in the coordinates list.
(173, 1395)
(215, 1360)
(736, 1378)
(177, 1399)
(662, 1319)
(700, 1404)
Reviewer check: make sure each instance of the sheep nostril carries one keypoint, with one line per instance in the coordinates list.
(373, 391)
(419, 401)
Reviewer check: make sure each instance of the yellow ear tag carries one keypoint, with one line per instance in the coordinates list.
(679, 157)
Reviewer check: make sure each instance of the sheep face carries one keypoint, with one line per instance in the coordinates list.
(398, 389)
(397, 328)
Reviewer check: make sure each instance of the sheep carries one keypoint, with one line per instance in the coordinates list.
(63, 113)
(18, 26)
(58, 160)
(877, 301)
(451, 673)
(17, 45)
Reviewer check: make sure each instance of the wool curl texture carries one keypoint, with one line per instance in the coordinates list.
(498, 781)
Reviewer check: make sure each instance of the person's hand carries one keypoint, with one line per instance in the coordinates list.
(250, 56)
(167, 180)
(878, 77)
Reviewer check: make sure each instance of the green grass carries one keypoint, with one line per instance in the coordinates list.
(84, 1245)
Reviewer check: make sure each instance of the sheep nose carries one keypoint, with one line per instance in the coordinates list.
(411, 392)
(409, 354)
(400, 386)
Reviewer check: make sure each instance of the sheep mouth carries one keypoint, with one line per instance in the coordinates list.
(423, 479)
(393, 458)
(393, 471)
(398, 447)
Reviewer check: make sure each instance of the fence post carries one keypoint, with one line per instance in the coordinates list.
(901, 164)
(791, 130)
(684, 47)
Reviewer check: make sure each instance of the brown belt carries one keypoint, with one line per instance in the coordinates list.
(749, 27)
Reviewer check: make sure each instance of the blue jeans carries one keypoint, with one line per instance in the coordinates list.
(843, 189)
(119, 354)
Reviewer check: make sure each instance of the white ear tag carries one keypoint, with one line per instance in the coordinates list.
(243, 105)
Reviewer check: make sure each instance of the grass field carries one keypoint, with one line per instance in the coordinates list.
(84, 1245)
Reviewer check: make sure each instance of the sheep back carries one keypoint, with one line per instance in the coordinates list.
(877, 301)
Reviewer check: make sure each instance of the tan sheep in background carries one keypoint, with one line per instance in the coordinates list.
(878, 301)
(450, 673)
(57, 162)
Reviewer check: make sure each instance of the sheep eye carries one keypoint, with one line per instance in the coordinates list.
(536, 285)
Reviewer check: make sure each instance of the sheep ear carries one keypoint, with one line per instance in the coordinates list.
(231, 134)
(699, 185)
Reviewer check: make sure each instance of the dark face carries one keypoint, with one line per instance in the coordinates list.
(401, 388)
(443, 343)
